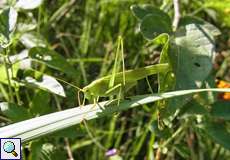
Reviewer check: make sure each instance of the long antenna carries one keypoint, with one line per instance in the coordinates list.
(58, 79)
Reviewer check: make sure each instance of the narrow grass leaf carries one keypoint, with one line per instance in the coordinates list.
(36, 127)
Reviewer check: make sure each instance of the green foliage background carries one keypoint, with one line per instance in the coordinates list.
(80, 37)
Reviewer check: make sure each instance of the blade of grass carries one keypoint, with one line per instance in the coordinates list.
(39, 126)
(61, 12)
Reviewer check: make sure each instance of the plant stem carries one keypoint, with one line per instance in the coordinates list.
(68, 149)
(150, 153)
(16, 89)
(158, 154)
(4, 119)
(4, 92)
(178, 131)
(111, 132)
(11, 99)
(66, 140)
(140, 143)
(176, 14)
(96, 142)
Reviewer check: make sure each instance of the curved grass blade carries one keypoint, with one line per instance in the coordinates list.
(39, 126)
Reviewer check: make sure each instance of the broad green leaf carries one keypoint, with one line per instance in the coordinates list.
(153, 20)
(191, 54)
(30, 40)
(209, 97)
(140, 11)
(36, 127)
(26, 27)
(221, 109)
(13, 15)
(71, 133)
(153, 25)
(46, 83)
(36, 147)
(19, 60)
(8, 19)
(193, 108)
(164, 134)
(166, 80)
(28, 4)
(40, 103)
(52, 59)
(218, 133)
(207, 27)
(14, 112)
(18, 57)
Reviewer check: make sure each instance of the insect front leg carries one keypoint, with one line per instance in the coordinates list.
(113, 90)
(95, 102)
(116, 90)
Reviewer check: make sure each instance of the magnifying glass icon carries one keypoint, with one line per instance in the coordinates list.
(9, 147)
